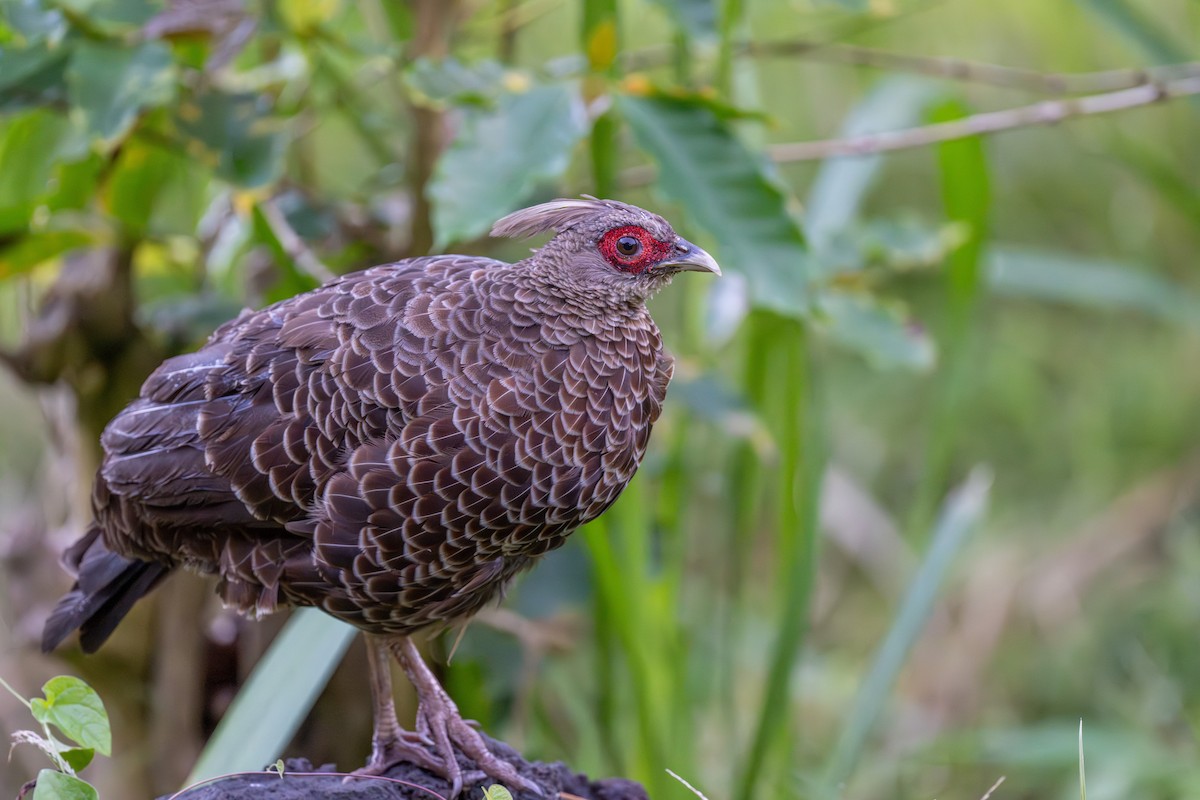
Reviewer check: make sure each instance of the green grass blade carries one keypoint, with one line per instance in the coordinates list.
(966, 195)
(1082, 771)
(800, 432)
(277, 697)
(960, 516)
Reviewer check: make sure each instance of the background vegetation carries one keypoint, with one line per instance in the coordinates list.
(927, 490)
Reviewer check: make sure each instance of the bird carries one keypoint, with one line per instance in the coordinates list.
(393, 448)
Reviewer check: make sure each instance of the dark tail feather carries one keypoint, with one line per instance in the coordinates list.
(106, 587)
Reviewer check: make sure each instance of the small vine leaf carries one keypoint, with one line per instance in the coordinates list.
(75, 709)
(77, 757)
(53, 785)
(497, 792)
(278, 766)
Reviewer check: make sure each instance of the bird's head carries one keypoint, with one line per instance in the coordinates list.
(605, 246)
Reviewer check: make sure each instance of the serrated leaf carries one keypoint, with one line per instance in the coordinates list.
(53, 785)
(77, 757)
(75, 709)
(878, 333)
(109, 85)
(727, 193)
(235, 134)
(500, 155)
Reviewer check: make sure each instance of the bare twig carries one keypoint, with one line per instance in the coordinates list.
(992, 790)
(695, 791)
(293, 245)
(975, 71)
(956, 69)
(1047, 112)
(434, 22)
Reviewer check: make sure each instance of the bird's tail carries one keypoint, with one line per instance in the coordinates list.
(106, 587)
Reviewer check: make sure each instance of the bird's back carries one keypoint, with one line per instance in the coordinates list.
(393, 446)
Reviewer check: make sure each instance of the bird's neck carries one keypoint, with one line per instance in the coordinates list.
(559, 291)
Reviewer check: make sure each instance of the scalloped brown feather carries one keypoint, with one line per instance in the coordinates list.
(392, 447)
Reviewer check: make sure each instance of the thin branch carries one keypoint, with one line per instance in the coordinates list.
(936, 67)
(975, 71)
(1048, 112)
(995, 786)
(293, 245)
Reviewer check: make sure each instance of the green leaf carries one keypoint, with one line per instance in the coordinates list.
(1136, 26)
(878, 333)
(500, 156)
(727, 193)
(496, 792)
(75, 709)
(139, 176)
(842, 184)
(27, 154)
(449, 81)
(34, 249)
(234, 134)
(697, 18)
(110, 85)
(33, 22)
(77, 757)
(1090, 283)
(966, 194)
(960, 517)
(34, 77)
(52, 785)
(278, 695)
(600, 35)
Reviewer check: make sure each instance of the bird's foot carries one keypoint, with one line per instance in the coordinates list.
(403, 747)
(438, 719)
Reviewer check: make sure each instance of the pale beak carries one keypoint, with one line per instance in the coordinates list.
(690, 258)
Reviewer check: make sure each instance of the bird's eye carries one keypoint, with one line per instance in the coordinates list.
(628, 246)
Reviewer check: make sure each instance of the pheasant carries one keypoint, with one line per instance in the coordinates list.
(392, 448)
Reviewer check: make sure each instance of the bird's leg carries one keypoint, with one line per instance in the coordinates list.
(439, 719)
(390, 744)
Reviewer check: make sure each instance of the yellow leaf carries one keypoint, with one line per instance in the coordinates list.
(637, 84)
(602, 46)
(305, 16)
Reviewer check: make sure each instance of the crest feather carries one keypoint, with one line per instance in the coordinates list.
(556, 215)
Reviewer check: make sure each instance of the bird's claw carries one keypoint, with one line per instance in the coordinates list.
(449, 730)
(405, 747)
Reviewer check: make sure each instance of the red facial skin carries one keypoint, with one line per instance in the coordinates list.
(651, 253)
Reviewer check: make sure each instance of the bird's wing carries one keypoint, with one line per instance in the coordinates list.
(227, 445)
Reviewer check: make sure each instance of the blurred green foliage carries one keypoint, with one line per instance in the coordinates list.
(886, 324)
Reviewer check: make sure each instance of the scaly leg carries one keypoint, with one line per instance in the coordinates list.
(439, 719)
(391, 744)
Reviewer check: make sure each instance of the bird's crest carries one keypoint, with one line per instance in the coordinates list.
(556, 215)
